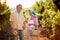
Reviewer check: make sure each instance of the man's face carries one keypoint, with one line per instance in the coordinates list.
(19, 8)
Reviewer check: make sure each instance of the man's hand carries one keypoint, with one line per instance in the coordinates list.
(24, 26)
(15, 32)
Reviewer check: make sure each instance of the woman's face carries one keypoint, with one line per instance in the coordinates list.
(31, 15)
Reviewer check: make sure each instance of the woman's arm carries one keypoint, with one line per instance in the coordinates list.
(36, 23)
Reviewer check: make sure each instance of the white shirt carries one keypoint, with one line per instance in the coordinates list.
(17, 19)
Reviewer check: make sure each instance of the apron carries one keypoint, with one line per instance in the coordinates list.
(31, 25)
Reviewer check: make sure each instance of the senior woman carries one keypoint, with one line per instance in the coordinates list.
(32, 23)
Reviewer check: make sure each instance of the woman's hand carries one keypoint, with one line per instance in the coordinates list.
(36, 26)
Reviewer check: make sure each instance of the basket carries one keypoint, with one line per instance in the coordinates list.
(35, 32)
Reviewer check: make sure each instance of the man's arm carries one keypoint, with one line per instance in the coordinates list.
(13, 30)
(11, 20)
(11, 24)
(24, 26)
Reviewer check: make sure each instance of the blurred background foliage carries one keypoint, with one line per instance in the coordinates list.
(5, 12)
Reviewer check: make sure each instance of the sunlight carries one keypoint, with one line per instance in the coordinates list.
(25, 3)
(2, 1)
